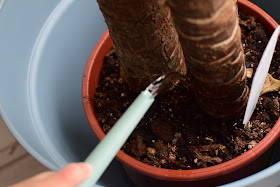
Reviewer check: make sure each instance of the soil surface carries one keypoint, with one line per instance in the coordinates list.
(175, 133)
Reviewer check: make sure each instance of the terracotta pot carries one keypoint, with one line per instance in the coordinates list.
(146, 175)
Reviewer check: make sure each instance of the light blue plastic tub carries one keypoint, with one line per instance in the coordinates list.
(44, 46)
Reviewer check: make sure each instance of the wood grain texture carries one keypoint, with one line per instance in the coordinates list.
(21, 169)
(16, 163)
(10, 154)
(6, 138)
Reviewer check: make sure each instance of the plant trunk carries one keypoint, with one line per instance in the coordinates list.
(211, 39)
(145, 39)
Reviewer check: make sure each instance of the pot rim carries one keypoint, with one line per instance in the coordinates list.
(98, 53)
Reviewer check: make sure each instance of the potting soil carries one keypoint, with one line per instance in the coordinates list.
(175, 133)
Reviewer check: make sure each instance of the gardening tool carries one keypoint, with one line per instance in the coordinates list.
(260, 76)
(105, 151)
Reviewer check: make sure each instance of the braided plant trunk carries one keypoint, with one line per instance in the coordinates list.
(145, 39)
(211, 39)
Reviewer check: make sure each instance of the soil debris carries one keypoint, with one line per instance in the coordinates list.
(175, 133)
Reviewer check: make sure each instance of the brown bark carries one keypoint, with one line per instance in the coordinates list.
(211, 39)
(145, 39)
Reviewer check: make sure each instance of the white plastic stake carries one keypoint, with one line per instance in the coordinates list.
(260, 76)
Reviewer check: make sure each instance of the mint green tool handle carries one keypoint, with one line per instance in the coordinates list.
(105, 151)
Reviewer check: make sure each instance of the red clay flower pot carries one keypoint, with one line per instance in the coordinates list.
(146, 175)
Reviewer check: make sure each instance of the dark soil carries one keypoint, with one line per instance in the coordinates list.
(175, 133)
